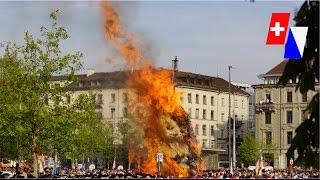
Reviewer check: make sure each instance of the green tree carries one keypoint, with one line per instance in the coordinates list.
(306, 140)
(249, 150)
(28, 120)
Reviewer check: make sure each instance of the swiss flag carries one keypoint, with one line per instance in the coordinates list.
(278, 28)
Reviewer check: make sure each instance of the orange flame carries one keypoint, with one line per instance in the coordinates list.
(155, 106)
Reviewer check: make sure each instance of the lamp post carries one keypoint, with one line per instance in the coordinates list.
(233, 164)
(229, 124)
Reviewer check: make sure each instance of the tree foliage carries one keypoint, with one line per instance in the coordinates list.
(249, 150)
(34, 112)
(306, 140)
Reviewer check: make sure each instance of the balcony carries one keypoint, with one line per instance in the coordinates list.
(222, 139)
(238, 140)
(237, 123)
(265, 105)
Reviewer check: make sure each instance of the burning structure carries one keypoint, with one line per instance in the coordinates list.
(155, 107)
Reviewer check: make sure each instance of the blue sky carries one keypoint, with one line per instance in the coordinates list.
(206, 36)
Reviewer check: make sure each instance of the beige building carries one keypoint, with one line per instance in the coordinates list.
(279, 111)
(204, 98)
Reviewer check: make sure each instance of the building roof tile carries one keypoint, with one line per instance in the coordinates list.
(117, 79)
(278, 69)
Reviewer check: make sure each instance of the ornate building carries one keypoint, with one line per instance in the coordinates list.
(279, 111)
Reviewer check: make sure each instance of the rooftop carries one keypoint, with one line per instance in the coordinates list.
(278, 69)
(117, 79)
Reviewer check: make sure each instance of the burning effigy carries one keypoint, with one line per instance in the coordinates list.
(157, 115)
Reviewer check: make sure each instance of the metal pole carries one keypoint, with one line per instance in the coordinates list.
(158, 168)
(229, 118)
(234, 144)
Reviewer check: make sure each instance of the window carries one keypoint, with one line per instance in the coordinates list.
(236, 103)
(289, 117)
(212, 101)
(304, 97)
(99, 98)
(250, 125)
(268, 137)
(93, 83)
(212, 115)
(181, 99)
(289, 137)
(268, 97)
(222, 116)
(46, 99)
(221, 135)
(212, 144)
(197, 98)
(113, 110)
(100, 115)
(125, 97)
(204, 130)
(303, 115)
(222, 102)
(197, 129)
(267, 117)
(204, 143)
(113, 98)
(242, 104)
(204, 114)
(242, 117)
(98, 83)
(289, 96)
(68, 99)
(190, 112)
(125, 112)
(93, 99)
(204, 100)
(197, 113)
(189, 98)
(212, 131)
(80, 84)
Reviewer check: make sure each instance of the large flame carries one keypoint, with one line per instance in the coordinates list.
(154, 105)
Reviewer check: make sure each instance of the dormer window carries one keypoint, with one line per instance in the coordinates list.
(187, 80)
(93, 83)
(80, 84)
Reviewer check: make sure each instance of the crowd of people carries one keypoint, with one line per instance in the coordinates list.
(130, 174)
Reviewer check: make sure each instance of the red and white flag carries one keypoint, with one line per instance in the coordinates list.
(278, 28)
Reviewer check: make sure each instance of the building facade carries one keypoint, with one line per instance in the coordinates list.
(204, 98)
(279, 111)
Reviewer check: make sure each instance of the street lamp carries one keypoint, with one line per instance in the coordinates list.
(234, 127)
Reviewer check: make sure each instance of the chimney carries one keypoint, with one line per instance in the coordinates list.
(175, 64)
(90, 72)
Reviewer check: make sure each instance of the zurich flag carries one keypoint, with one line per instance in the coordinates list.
(295, 43)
